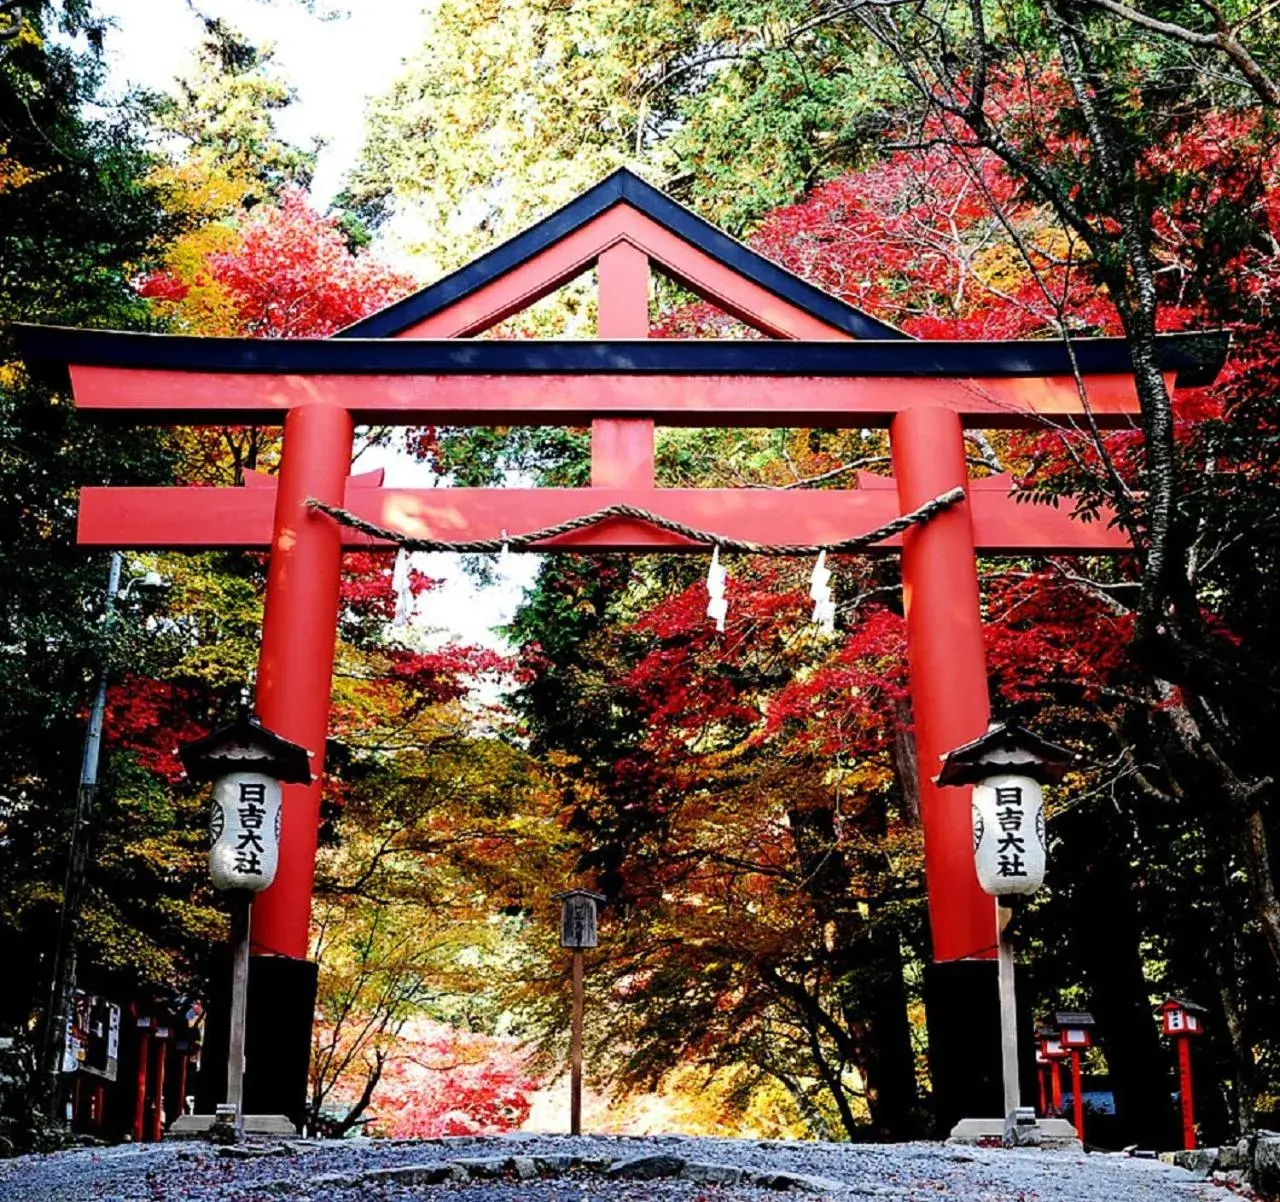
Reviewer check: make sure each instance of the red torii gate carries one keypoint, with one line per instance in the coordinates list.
(825, 364)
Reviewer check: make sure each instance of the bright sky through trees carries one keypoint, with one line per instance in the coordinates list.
(333, 64)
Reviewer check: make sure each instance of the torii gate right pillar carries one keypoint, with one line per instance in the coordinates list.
(949, 694)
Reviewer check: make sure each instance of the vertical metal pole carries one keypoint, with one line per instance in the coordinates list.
(1077, 1094)
(62, 978)
(1184, 1089)
(1008, 1015)
(240, 910)
(575, 1050)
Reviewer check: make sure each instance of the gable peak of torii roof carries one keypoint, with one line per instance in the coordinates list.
(678, 242)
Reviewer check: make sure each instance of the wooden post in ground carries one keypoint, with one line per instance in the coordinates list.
(240, 910)
(1008, 1014)
(575, 1049)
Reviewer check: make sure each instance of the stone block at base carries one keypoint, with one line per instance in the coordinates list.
(198, 1126)
(1055, 1134)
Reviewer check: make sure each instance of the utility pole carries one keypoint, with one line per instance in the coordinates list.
(62, 978)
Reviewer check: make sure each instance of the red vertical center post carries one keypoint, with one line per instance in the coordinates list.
(622, 448)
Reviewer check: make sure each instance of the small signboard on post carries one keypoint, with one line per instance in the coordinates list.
(577, 932)
(578, 918)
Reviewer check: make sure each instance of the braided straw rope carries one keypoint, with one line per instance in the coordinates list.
(522, 542)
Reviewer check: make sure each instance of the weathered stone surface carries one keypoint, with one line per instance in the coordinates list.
(486, 1168)
(1198, 1162)
(1265, 1174)
(555, 1163)
(713, 1174)
(800, 1182)
(647, 1168)
(1231, 1159)
(525, 1167)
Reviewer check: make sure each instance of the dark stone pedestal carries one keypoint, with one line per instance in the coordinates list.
(281, 1005)
(962, 1009)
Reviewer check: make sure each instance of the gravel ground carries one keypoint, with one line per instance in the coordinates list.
(347, 1170)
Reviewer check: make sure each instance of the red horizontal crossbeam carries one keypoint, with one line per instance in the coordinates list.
(193, 398)
(207, 518)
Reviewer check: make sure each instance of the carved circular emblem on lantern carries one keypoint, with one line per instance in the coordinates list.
(1007, 767)
(247, 764)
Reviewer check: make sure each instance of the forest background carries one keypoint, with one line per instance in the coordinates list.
(746, 803)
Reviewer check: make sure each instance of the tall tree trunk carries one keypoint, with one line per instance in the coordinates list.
(1108, 933)
(866, 968)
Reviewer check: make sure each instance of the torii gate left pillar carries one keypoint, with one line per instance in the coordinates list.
(295, 668)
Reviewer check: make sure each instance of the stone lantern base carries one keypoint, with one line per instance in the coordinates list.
(1055, 1134)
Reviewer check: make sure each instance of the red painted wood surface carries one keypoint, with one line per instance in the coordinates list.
(947, 668)
(140, 1097)
(1055, 1080)
(216, 398)
(161, 1043)
(1185, 1092)
(622, 449)
(210, 518)
(1077, 1095)
(576, 252)
(295, 670)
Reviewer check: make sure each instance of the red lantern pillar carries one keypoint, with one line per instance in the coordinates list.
(1077, 1094)
(140, 1102)
(1042, 1072)
(157, 1112)
(1184, 1090)
(299, 628)
(1055, 1080)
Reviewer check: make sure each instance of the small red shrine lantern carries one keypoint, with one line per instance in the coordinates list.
(1049, 1054)
(1183, 1019)
(1075, 1029)
(1075, 1034)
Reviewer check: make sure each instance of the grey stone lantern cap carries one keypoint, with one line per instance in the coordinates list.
(245, 745)
(1183, 1004)
(1005, 748)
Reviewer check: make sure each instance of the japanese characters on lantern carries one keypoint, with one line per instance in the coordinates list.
(1009, 834)
(244, 830)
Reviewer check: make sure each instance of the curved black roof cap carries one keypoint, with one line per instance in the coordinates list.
(1196, 358)
(622, 186)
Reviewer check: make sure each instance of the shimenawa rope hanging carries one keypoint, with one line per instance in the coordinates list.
(529, 541)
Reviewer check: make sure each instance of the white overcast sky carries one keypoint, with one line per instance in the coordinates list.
(334, 66)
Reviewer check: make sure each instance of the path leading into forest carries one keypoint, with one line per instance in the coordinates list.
(538, 1168)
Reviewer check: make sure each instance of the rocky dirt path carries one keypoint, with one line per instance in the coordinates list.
(534, 1168)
